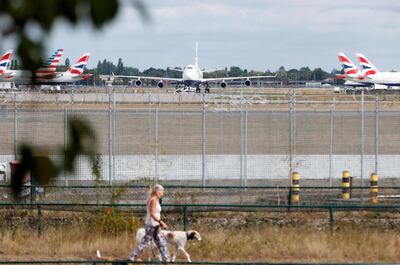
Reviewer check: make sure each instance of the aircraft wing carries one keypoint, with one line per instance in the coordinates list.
(149, 78)
(237, 78)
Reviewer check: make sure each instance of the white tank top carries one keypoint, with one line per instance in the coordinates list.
(150, 221)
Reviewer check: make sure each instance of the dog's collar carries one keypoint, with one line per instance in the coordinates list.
(187, 235)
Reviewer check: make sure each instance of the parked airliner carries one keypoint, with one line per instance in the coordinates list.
(352, 75)
(47, 73)
(373, 75)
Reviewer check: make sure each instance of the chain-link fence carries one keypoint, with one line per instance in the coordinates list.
(242, 139)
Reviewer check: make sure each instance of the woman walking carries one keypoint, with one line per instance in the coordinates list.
(153, 225)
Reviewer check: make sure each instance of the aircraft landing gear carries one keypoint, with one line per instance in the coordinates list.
(207, 89)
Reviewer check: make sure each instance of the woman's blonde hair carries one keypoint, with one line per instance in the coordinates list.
(155, 188)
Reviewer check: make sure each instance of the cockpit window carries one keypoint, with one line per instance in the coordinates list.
(189, 67)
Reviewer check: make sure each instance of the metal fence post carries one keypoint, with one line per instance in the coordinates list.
(65, 141)
(331, 218)
(221, 131)
(149, 136)
(362, 144)
(156, 150)
(241, 138)
(245, 147)
(331, 142)
(203, 164)
(292, 133)
(39, 227)
(221, 126)
(185, 218)
(290, 138)
(294, 124)
(72, 96)
(109, 137)
(15, 127)
(113, 136)
(376, 132)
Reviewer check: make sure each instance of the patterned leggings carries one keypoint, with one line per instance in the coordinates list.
(153, 232)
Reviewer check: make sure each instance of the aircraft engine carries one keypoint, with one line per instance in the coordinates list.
(160, 84)
(223, 84)
(247, 82)
(138, 83)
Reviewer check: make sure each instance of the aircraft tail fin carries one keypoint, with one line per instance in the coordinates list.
(367, 67)
(79, 66)
(348, 66)
(5, 61)
(50, 66)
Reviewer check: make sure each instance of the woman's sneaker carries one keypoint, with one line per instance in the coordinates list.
(133, 259)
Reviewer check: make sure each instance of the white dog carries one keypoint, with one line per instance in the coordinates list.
(175, 238)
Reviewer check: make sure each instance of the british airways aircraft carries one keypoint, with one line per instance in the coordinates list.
(5, 61)
(373, 75)
(73, 73)
(352, 75)
(192, 78)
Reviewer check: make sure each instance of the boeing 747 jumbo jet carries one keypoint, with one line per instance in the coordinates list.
(192, 78)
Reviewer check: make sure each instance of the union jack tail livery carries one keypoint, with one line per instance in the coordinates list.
(367, 67)
(80, 65)
(5, 61)
(349, 68)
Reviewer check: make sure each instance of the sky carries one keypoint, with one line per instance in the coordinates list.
(252, 34)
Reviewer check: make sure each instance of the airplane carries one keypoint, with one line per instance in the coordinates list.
(48, 75)
(192, 78)
(5, 61)
(25, 77)
(373, 75)
(73, 73)
(352, 75)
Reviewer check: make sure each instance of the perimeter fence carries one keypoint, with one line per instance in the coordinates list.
(188, 194)
(115, 211)
(241, 139)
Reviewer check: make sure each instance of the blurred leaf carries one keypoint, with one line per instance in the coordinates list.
(43, 170)
(22, 168)
(29, 52)
(102, 11)
(141, 8)
(82, 141)
(44, 13)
